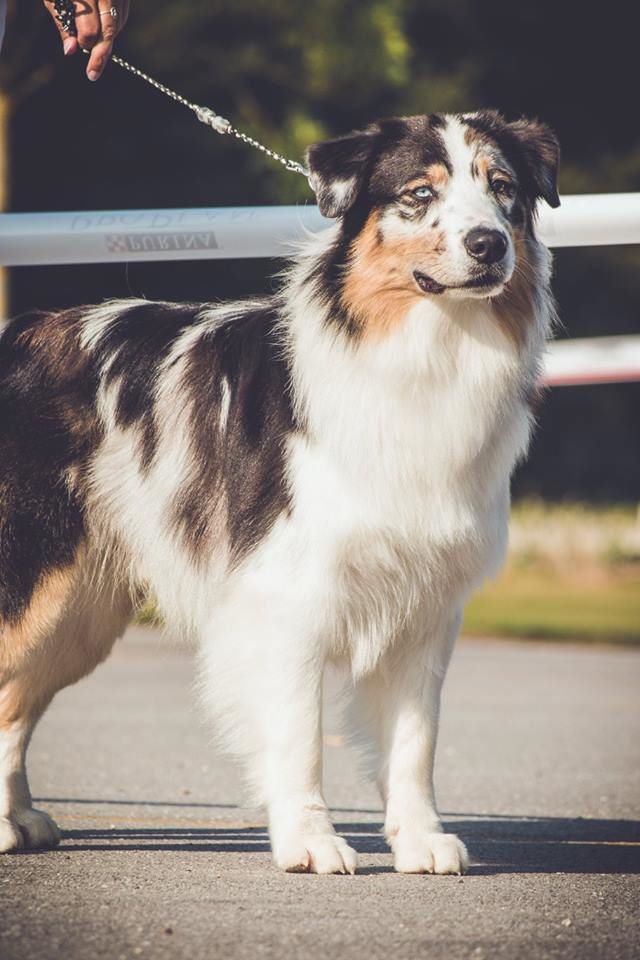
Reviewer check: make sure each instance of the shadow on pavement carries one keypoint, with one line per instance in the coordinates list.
(191, 840)
(135, 803)
(549, 844)
(498, 844)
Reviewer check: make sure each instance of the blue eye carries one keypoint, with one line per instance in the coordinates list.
(422, 193)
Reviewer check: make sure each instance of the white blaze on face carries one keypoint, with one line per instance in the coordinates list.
(467, 202)
(430, 239)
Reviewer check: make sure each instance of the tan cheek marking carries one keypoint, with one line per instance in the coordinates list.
(516, 306)
(378, 288)
(44, 610)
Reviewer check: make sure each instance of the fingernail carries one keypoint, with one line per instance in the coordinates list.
(93, 74)
(68, 45)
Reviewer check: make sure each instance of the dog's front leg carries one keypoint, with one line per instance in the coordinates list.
(402, 704)
(263, 682)
(302, 835)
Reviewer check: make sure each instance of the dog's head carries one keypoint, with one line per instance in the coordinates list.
(434, 205)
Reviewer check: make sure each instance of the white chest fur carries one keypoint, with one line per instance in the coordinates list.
(402, 480)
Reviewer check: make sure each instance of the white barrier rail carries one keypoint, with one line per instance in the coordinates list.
(577, 362)
(116, 236)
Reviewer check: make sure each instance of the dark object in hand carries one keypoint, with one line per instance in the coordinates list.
(66, 15)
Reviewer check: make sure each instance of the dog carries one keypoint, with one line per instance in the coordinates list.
(321, 476)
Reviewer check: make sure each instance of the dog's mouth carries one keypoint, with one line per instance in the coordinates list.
(487, 281)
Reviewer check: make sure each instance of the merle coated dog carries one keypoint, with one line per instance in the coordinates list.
(319, 476)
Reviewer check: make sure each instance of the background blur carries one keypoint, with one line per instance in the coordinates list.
(291, 73)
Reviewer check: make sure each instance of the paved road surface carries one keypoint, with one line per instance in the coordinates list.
(538, 770)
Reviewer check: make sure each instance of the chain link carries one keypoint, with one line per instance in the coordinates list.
(154, 83)
(218, 123)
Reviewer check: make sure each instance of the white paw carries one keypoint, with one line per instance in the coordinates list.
(429, 853)
(315, 853)
(30, 829)
(10, 836)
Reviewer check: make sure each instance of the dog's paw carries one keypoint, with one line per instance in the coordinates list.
(28, 829)
(429, 853)
(315, 853)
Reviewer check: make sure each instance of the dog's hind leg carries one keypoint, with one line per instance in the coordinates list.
(68, 628)
(20, 824)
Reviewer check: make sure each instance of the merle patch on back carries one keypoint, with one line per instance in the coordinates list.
(243, 463)
(50, 429)
(131, 349)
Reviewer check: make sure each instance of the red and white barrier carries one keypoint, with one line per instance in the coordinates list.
(594, 360)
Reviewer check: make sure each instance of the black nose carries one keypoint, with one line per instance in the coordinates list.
(486, 246)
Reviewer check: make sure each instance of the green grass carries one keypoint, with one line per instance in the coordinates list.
(573, 572)
(520, 604)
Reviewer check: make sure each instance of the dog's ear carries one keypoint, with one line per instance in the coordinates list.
(541, 153)
(337, 170)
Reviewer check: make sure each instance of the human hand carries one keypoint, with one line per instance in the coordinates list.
(97, 24)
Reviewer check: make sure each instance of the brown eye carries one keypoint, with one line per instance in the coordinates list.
(502, 187)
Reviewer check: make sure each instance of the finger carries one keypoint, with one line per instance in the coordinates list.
(88, 26)
(110, 23)
(69, 42)
(99, 58)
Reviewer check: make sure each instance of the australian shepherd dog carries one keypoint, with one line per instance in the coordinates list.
(321, 476)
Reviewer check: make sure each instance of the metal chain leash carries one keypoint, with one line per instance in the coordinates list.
(65, 14)
(212, 119)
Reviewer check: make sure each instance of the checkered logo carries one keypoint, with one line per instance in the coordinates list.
(117, 243)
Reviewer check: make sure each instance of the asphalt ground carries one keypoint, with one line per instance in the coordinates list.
(538, 770)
